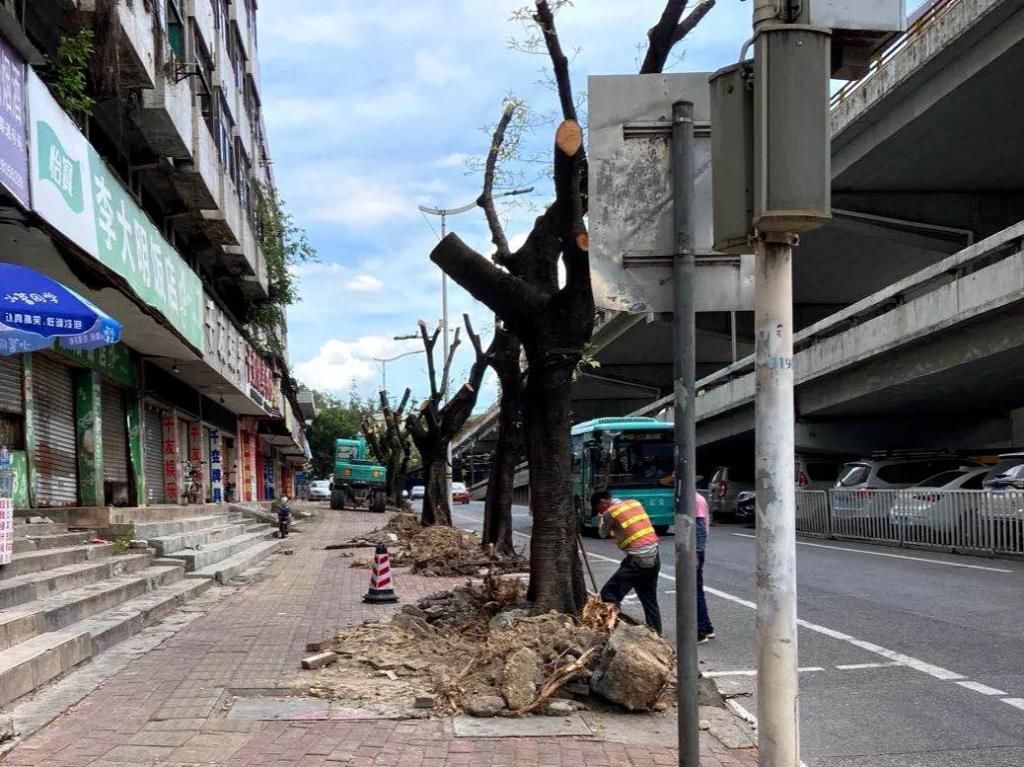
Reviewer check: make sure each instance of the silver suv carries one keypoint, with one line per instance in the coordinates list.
(855, 493)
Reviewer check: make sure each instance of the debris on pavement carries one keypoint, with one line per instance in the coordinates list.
(319, 660)
(465, 647)
(432, 551)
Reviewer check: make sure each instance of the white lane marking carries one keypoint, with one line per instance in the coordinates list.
(984, 689)
(753, 672)
(859, 666)
(904, 660)
(892, 556)
(1015, 702)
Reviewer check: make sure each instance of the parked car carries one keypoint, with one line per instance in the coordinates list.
(320, 490)
(745, 508)
(1005, 485)
(460, 493)
(418, 491)
(726, 483)
(932, 505)
(856, 495)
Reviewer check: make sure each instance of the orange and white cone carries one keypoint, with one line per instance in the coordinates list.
(382, 588)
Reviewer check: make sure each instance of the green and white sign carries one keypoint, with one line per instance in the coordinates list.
(75, 192)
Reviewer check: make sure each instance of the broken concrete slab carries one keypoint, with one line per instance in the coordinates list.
(269, 708)
(520, 727)
(732, 731)
(319, 660)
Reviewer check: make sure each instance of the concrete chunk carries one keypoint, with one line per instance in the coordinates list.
(319, 660)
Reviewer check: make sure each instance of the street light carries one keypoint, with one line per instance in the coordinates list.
(384, 364)
(444, 213)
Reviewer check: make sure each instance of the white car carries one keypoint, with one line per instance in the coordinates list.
(932, 505)
(320, 490)
(418, 491)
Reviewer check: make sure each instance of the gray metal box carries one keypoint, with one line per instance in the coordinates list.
(860, 28)
(792, 135)
(732, 157)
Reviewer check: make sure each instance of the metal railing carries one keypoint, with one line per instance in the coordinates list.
(917, 25)
(973, 521)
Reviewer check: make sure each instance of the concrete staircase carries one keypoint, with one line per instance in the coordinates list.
(217, 546)
(64, 599)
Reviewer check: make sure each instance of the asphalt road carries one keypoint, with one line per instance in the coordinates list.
(907, 658)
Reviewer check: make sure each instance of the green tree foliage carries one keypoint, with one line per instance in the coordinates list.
(334, 419)
(285, 246)
(66, 74)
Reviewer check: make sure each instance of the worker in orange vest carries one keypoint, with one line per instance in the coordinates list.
(633, 531)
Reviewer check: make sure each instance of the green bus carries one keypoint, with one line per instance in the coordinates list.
(631, 458)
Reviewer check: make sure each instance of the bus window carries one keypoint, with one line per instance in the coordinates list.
(642, 463)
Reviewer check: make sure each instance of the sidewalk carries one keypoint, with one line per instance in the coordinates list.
(172, 705)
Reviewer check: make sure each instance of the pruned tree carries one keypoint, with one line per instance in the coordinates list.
(554, 322)
(434, 424)
(390, 442)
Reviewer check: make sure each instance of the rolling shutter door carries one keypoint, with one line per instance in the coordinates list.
(154, 450)
(56, 461)
(115, 434)
(10, 385)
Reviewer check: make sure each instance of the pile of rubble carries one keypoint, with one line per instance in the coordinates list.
(436, 551)
(478, 649)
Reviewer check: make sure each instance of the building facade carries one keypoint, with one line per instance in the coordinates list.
(146, 202)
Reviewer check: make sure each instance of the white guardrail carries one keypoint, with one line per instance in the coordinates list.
(978, 521)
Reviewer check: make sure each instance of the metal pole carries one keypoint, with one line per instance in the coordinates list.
(384, 376)
(684, 370)
(444, 333)
(777, 686)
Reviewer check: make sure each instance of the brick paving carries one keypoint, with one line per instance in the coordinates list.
(166, 707)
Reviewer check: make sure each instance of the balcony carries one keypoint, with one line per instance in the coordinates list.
(239, 13)
(166, 116)
(137, 48)
(223, 224)
(247, 259)
(198, 181)
(202, 12)
(243, 131)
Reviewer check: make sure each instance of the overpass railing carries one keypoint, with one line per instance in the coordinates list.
(967, 521)
(919, 23)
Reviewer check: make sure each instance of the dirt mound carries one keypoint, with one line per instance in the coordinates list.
(474, 641)
(436, 551)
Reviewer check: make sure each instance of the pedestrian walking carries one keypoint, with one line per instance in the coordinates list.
(705, 630)
(628, 522)
(284, 515)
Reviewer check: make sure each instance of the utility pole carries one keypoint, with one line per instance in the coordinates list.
(383, 361)
(444, 213)
(684, 273)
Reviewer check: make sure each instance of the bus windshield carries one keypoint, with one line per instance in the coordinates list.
(642, 460)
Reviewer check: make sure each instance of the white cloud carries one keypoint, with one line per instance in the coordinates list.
(339, 363)
(438, 67)
(364, 283)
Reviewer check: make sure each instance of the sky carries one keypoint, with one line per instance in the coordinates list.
(373, 109)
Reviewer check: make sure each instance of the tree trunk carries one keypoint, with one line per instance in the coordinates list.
(436, 510)
(501, 484)
(556, 574)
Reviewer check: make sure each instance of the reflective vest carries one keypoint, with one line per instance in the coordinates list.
(635, 525)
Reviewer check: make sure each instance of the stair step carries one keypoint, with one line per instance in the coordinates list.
(22, 527)
(215, 552)
(54, 612)
(168, 527)
(28, 588)
(30, 542)
(49, 559)
(36, 661)
(203, 537)
(226, 569)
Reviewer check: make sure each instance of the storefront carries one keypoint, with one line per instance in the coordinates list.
(153, 452)
(54, 461)
(117, 484)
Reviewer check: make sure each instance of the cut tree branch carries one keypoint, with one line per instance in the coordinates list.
(486, 200)
(546, 21)
(448, 363)
(670, 29)
(428, 345)
(504, 294)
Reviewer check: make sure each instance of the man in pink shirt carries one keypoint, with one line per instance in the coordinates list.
(705, 630)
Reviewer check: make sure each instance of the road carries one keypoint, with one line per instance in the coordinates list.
(907, 658)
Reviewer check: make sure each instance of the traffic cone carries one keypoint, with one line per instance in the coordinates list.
(381, 585)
